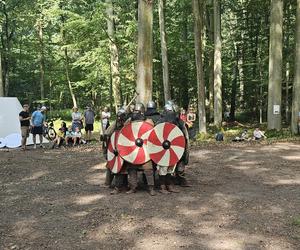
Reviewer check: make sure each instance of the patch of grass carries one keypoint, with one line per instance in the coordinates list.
(296, 221)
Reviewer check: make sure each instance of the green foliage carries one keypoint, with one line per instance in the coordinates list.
(281, 134)
(296, 221)
(80, 27)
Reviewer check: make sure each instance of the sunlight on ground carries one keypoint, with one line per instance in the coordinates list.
(285, 182)
(36, 175)
(88, 199)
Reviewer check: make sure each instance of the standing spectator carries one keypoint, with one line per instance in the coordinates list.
(105, 116)
(38, 121)
(76, 119)
(183, 115)
(24, 118)
(191, 117)
(258, 134)
(89, 119)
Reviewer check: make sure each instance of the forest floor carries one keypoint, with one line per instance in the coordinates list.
(242, 197)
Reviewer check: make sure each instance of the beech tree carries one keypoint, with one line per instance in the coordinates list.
(275, 65)
(198, 17)
(296, 87)
(145, 51)
(217, 65)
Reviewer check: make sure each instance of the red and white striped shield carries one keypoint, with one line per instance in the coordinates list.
(166, 144)
(114, 160)
(132, 142)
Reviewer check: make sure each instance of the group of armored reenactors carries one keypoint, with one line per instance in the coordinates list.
(167, 166)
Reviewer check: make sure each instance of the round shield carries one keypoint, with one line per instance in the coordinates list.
(132, 142)
(114, 160)
(166, 144)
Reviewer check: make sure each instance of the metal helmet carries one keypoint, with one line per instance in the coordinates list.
(121, 112)
(171, 102)
(139, 107)
(168, 107)
(151, 105)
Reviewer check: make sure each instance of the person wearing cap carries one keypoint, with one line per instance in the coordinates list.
(38, 121)
(89, 119)
(24, 118)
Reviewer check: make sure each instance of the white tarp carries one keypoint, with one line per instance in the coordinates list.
(10, 108)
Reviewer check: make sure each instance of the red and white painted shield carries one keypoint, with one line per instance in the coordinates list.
(166, 144)
(114, 160)
(132, 142)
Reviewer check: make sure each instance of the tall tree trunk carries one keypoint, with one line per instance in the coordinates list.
(184, 68)
(210, 35)
(234, 83)
(217, 65)
(275, 65)
(296, 88)
(67, 70)
(114, 55)
(7, 43)
(66, 64)
(198, 25)
(1, 77)
(145, 51)
(164, 51)
(287, 63)
(42, 61)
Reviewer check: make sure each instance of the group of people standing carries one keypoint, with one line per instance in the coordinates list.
(127, 178)
(32, 123)
(35, 123)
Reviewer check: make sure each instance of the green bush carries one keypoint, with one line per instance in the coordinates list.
(279, 134)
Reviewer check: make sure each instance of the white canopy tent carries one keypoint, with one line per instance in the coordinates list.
(10, 129)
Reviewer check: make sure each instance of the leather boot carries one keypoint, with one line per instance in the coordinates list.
(163, 186)
(169, 185)
(152, 191)
(131, 191)
(108, 178)
(115, 191)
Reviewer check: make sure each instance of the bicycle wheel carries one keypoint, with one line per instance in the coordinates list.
(51, 134)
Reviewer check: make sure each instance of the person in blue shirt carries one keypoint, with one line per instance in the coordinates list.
(37, 122)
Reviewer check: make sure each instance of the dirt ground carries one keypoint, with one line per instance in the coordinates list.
(243, 197)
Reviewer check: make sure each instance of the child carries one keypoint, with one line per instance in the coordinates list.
(60, 135)
(76, 136)
(258, 134)
(69, 135)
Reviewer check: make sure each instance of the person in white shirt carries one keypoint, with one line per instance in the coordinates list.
(258, 135)
(105, 116)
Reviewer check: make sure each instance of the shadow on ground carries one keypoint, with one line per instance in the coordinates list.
(243, 197)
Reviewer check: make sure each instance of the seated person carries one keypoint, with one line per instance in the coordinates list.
(258, 134)
(60, 136)
(69, 136)
(76, 136)
(243, 137)
(219, 136)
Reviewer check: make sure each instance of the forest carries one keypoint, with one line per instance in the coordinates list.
(235, 56)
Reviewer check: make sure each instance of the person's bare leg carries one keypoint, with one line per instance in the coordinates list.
(23, 142)
(41, 141)
(34, 141)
